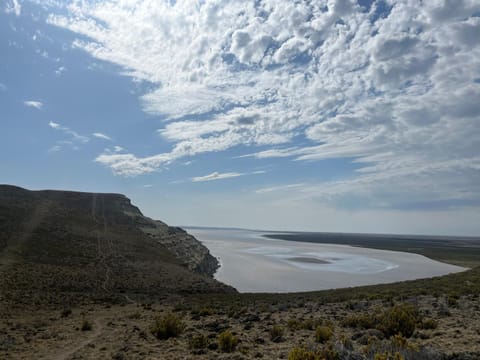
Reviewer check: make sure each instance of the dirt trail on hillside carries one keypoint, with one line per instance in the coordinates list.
(68, 352)
(105, 249)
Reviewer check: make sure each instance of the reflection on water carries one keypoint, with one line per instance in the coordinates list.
(252, 263)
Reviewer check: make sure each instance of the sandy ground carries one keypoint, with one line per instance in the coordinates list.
(122, 332)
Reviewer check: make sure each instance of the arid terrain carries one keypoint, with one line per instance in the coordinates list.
(87, 276)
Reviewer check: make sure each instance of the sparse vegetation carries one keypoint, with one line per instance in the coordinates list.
(300, 353)
(199, 341)
(401, 319)
(276, 333)
(167, 326)
(227, 342)
(323, 334)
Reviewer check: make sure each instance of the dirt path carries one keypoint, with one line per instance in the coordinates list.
(105, 248)
(68, 352)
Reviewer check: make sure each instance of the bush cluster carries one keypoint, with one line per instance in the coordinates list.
(276, 333)
(400, 319)
(170, 325)
(227, 342)
(301, 353)
(199, 341)
(323, 334)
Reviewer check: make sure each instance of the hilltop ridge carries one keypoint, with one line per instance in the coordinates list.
(58, 246)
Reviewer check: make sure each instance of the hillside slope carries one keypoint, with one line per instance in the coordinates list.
(61, 246)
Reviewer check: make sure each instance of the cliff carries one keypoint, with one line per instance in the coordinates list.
(58, 245)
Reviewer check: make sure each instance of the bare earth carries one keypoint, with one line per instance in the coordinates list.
(122, 332)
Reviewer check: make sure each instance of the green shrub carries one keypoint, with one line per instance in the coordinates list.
(323, 334)
(86, 325)
(300, 353)
(227, 342)
(170, 325)
(294, 324)
(401, 319)
(276, 333)
(205, 311)
(361, 321)
(199, 341)
(389, 356)
(328, 353)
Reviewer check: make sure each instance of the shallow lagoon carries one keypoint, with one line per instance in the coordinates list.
(253, 263)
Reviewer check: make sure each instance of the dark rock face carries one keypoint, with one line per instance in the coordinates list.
(61, 245)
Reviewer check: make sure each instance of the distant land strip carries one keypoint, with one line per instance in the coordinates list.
(461, 251)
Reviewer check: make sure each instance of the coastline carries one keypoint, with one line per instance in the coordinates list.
(459, 251)
(278, 267)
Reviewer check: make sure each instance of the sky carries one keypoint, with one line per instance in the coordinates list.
(326, 115)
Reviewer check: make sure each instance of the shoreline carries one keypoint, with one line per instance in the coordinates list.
(463, 252)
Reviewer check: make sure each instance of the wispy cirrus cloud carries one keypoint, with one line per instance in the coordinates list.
(380, 84)
(33, 103)
(216, 176)
(99, 135)
(220, 176)
(73, 139)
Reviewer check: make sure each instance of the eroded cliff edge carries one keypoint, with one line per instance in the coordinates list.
(185, 247)
(65, 246)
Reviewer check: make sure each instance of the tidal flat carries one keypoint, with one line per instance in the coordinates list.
(251, 262)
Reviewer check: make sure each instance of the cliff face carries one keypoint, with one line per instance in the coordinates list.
(87, 244)
(191, 252)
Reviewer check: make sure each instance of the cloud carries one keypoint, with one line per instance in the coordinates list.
(389, 87)
(54, 125)
(279, 188)
(35, 104)
(13, 6)
(60, 71)
(102, 136)
(219, 176)
(73, 140)
(3, 87)
(216, 176)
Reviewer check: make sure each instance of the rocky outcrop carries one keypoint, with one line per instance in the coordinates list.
(191, 252)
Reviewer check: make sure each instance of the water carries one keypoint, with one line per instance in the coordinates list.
(252, 263)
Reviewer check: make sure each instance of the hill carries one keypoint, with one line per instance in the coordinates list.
(59, 247)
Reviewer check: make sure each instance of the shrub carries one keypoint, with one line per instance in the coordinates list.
(361, 321)
(300, 353)
(227, 342)
(206, 311)
(323, 334)
(294, 324)
(276, 333)
(396, 348)
(429, 324)
(401, 319)
(199, 341)
(389, 356)
(86, 325)
(167, 326)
